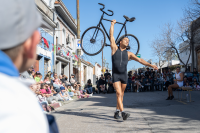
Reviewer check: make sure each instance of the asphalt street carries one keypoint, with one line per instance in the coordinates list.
(150, 113)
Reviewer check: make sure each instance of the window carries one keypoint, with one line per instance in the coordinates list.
(63, 37)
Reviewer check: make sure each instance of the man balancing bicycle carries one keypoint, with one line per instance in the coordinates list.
(120, 58)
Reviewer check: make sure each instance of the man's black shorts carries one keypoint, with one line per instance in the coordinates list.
(120, 77)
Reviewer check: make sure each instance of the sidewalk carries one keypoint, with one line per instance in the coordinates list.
(150, 112)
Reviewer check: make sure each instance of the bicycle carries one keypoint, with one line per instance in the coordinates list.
(95, 36)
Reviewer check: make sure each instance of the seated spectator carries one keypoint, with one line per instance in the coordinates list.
(88, 87)
(56, 79)
(110, 84)
(27, 74)
(46, 92)
(41, 81)
(129, 82)
(195, 71)
(56, 94)
(147, 84)
(150, 78)
(156, 83)
(152, 74)
(72, 80)
(133, 78)
(64, 80)
(137, 82)
(166, 82)
(158, 73)
(140, 72)
(77, 91)
(71, 94)
(170, 75)
(67, 92)
(56, 83)
(178, 82)
(37, 76)
(46, 79)
(102, 83)
(196, 85)
(187, 86)
(147, 73)
(195, 77)
(62, 93)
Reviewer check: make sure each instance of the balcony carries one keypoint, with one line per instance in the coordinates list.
(42, 6)
(61, 51)
(46, 12)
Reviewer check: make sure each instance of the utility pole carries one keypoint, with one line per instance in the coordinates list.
(102, 56)
(104, 62)
(78, 37)
(107, 64)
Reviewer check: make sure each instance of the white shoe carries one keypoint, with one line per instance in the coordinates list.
(142, 86)
(137, 90)
(90, 95)
(71, 99)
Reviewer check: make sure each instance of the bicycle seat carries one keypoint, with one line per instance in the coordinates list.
(129, 19)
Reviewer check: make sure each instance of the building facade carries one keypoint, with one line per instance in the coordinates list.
(195, 29)
(65, 40)
(45, 51)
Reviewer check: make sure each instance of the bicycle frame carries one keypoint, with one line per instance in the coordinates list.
(101, 24)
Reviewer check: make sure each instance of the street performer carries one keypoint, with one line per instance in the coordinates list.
(120, 58)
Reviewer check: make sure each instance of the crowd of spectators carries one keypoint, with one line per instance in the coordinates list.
(104, 83)
(54, 88)
(57, 89)
(151, 80)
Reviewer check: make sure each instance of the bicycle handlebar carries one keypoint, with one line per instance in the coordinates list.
(102, 5)
(105, 12)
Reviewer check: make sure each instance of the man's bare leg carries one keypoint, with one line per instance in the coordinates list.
(123, 87)
(117, 86)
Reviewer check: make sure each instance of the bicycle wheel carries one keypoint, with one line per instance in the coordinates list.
(133, 43)
(93, 40)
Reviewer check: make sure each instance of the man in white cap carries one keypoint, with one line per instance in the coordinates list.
(20, 112)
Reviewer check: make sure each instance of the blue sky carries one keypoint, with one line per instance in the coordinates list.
(150, 16)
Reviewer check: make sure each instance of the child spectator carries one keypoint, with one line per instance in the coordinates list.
(46, 79)
(37, 76)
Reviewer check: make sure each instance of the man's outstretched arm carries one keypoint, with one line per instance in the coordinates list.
(112, 39)
(133, 57)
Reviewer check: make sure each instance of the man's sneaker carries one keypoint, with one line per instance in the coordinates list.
(172, 97)
(142, 86)
(137, 90)
(168, 98)
(116, 115)
(125, 115)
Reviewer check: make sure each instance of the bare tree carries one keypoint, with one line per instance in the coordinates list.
(187, 27)
(169, 39)
(158, 50)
